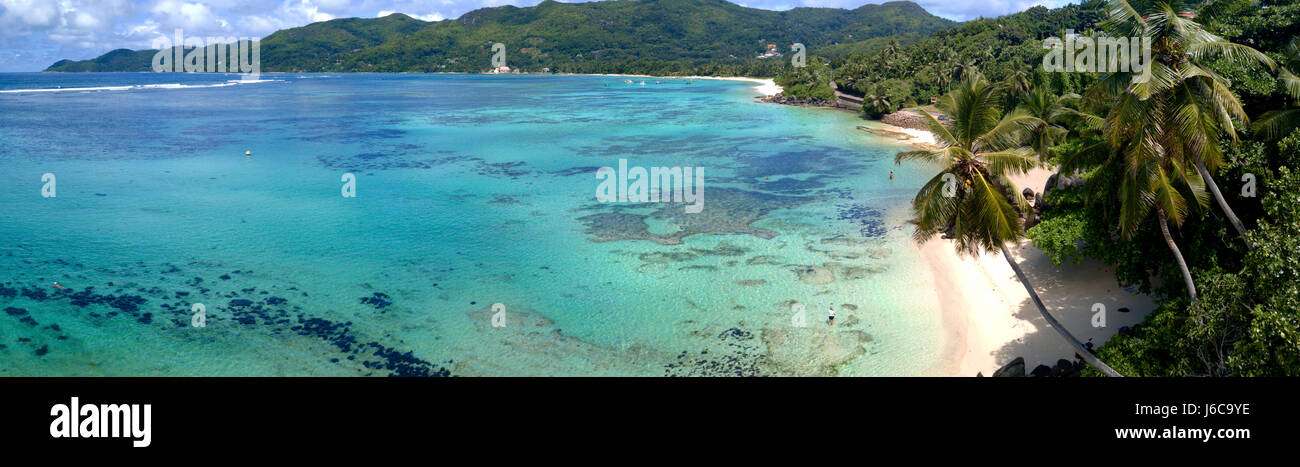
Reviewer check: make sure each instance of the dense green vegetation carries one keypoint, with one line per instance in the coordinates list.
(1176, 188)
(909, 75)
(811, 81)
(661, 37)
(116, 60)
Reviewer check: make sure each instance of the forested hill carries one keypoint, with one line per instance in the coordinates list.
(645, 36)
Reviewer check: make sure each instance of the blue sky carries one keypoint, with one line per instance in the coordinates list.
(36, 33)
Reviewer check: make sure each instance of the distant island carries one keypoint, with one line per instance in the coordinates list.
(658, 37)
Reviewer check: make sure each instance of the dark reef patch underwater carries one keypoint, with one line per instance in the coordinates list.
(251, 309)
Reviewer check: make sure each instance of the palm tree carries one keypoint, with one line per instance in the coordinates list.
(1195, 103)
(1018, 83)
(971, 199)
(946, 68)
(1275, 124)
(1154, 180)
(1049, 109)
(876, 104)
(1131, 174)
(1151, 179)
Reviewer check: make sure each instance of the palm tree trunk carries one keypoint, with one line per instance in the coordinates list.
(1078, 347)
(1178, 255)
(1223, 204)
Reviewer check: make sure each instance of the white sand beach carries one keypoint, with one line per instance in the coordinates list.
(990, 320)
(987, 315)
(919, 138)
(765, 86)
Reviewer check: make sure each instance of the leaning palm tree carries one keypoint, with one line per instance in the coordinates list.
(1196, 103)
(1155, 181)
(971, 199)
(1130, 172)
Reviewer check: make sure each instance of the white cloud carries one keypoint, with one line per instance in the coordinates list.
(191, 17)
(33, 13)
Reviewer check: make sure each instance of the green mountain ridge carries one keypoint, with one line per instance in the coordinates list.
(644, 36)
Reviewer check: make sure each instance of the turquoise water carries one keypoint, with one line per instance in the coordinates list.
(470, 190)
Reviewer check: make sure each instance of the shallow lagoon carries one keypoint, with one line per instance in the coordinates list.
(471, 190)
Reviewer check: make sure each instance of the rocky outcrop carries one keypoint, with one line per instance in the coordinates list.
(1011, 370)
(1063, 369)
(906, 119)
(1035, 213)
(1041, 371)
(799, 101)
(912, 119)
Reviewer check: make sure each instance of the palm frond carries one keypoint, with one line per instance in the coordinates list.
(1290, 82)
(942, 157)
(1230, 51)
(1011, 131)
(1122, 20)
(941, 133)
(1016, 161)
(1276, 124)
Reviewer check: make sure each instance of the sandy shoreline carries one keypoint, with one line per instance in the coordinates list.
(989, 320)
(766, 86)
(919, 138)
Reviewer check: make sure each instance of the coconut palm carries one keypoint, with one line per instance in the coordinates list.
(1049, 109)
(876, 104)
(1194, 103)
(1018, 83)
(1275, 124)
(1154, 181)
(971, 199)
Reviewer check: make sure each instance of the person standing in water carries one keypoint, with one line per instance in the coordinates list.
(831, 320)
(891, 175)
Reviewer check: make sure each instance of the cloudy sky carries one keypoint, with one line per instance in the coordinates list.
(36, 33)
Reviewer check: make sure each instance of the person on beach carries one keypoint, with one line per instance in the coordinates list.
(831, 319)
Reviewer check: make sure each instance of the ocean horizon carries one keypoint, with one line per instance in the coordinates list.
(475, 200)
